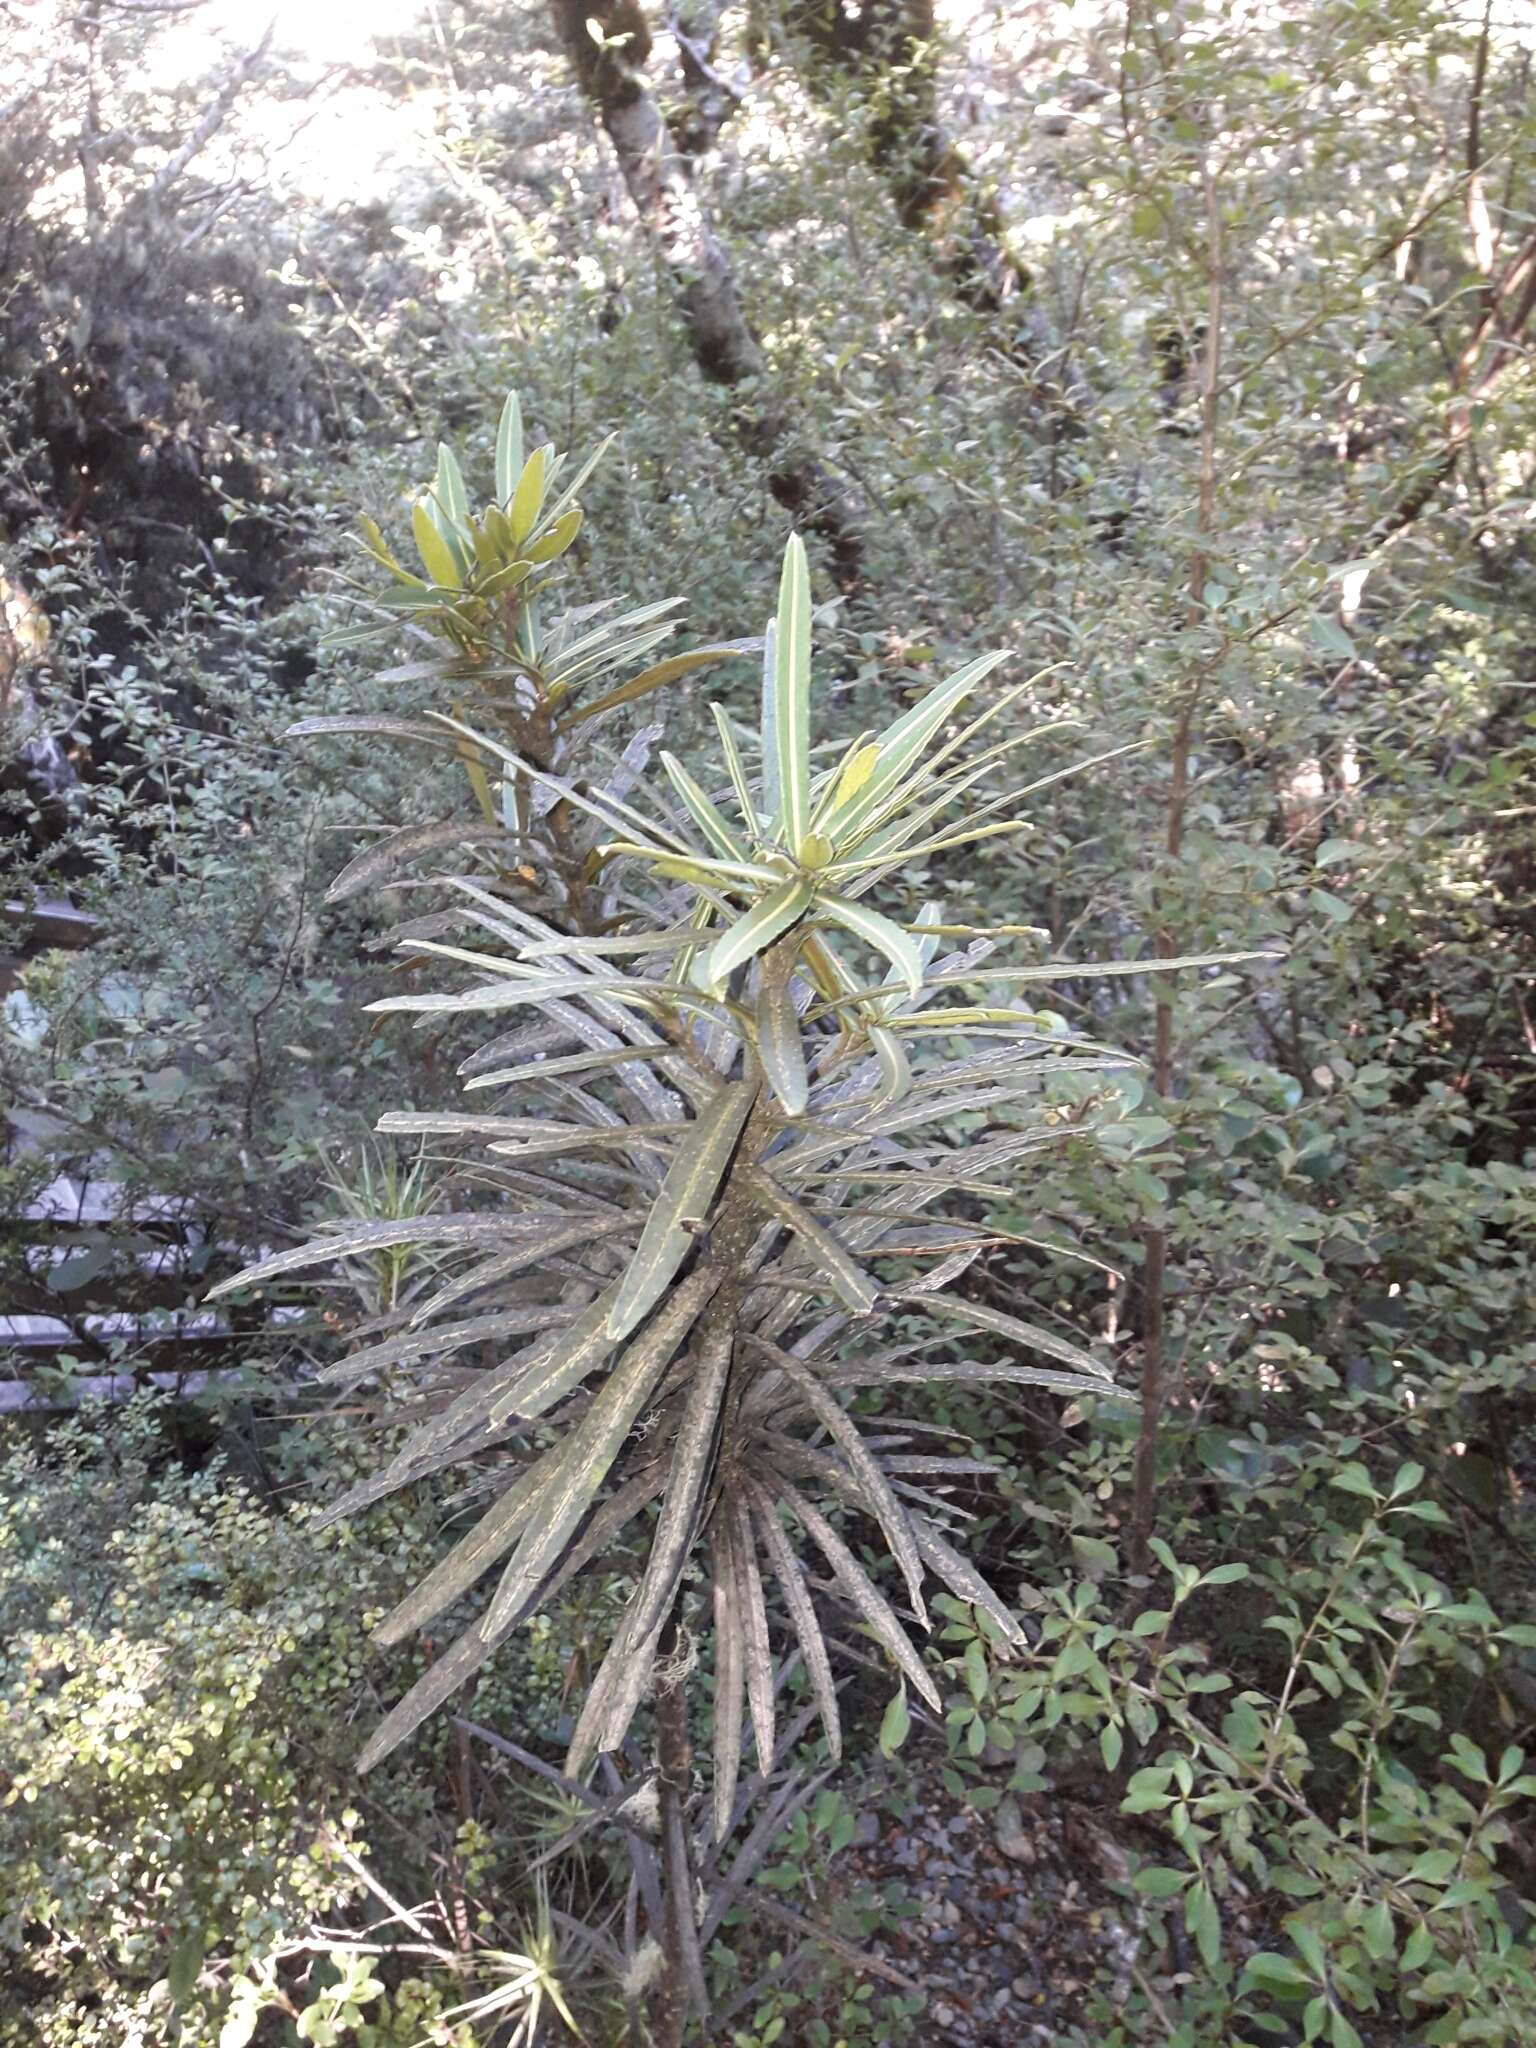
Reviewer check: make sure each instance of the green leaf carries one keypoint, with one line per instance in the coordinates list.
(1310, 1944)
(881, 933)
(523, 512)
(1224, 1575)
(559, 537)
(901, 747)
(1331, 637)
(656, 676)
(702, 810)
(1334, 908)
(735, 770)
(1376, 1930)
(1418, 1948)
(1159, 1882)
(1354, 1479)
(1204, 1922)
(895, 1073)
(451, 494)
(780, 1041)
(185, 1967)
(436, 556)
(895, 1724)
(857, 770)
(853, 1286)
(768, 919)
(788, 740)
(509, 448)
(1276, 1973)
(1111, 1746)
(685, 1196)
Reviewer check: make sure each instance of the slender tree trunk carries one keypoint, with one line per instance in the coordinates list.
(681, 1983)
(1154, 1284)
(891, 47)
(666, 198)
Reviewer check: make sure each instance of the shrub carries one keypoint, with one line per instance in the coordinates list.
(180, 1668)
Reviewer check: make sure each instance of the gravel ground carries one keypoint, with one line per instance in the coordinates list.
(1015, 1917)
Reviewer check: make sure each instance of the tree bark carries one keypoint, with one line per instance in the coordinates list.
(666, 198)
(891, 47)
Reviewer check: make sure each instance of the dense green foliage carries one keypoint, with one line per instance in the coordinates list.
(1237, 442)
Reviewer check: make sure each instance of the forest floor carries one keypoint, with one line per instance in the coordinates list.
(1005, 1918)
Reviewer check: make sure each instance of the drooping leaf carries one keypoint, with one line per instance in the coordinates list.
(813, 1647)
(398, 848)
(880, 1500)
(850, 1282)
(730, 1673)
(695, 1173)
(860, 1589)
(978, 1316)
(758, 1653)
(470, 1558)
(780, 1045)
(588, 1453)
(371, 1237)
(692, 1455)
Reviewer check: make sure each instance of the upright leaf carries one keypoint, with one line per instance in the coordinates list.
(509, 449)
(790, 739)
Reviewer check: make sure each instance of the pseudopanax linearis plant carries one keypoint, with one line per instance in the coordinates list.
(714, 1120)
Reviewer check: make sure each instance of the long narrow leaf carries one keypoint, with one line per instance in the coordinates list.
(780, 1044)
(703, 813)
(872, 1482)
(509, 449)
(656, 676)
(730, 1673)
(754, 1623)
(592, 1447)
(756, 929)
(790, 737)
(860, 1590)
(692, 1456)
(371, 1237)
(813, 1646)
(852, 1285)
(686, 1193)
(880, 932)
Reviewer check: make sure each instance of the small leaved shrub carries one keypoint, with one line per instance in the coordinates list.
(180, 1667)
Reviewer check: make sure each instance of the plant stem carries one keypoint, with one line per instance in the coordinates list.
(674, 1760)
(1154, 1291)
